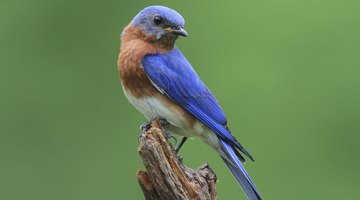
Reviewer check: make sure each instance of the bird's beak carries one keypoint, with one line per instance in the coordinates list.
(178, 31)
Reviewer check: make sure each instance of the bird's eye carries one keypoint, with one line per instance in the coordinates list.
(158, 20)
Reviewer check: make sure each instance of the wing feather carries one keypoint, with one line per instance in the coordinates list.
(174, 76)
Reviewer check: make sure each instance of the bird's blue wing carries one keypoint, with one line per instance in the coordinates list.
(172, 74)
(175, 76)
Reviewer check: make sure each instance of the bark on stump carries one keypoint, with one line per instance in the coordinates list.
(166, 177)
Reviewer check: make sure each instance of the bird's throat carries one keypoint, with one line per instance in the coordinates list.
(162, 45)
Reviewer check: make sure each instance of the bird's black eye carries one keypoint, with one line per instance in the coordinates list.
(158, 20)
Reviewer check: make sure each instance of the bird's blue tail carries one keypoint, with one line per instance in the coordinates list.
(233, 162)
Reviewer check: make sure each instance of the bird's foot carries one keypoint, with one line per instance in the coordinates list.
(164, 122)
(144, 127)
(168, 135)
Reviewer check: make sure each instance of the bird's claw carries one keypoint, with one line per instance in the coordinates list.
(169, 135)
(164, 122)
(144, 127)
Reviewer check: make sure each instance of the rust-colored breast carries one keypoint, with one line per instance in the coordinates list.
(135, 44)
(131, 72)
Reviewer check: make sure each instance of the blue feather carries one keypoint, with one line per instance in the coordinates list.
(239, 172)
(174, 76)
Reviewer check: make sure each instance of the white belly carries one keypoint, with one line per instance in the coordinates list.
(153, 108)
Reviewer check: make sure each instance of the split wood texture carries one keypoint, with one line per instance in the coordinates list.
(166, 177)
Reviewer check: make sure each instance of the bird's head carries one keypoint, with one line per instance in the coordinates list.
(160, 22)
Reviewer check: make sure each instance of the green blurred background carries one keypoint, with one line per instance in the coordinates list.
(285, 72)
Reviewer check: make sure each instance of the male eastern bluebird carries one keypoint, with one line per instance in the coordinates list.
(160, 82)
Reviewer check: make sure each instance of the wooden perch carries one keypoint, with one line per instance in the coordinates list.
(166, 178)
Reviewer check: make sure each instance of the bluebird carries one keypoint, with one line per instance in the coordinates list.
(160, 82)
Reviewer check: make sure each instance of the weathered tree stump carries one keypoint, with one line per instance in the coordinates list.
(166, 177)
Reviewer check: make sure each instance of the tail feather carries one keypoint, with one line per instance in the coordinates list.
(235, 166)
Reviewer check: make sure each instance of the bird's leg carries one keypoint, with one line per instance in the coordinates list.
(183, 140)
(164, 122)
(144, 127)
